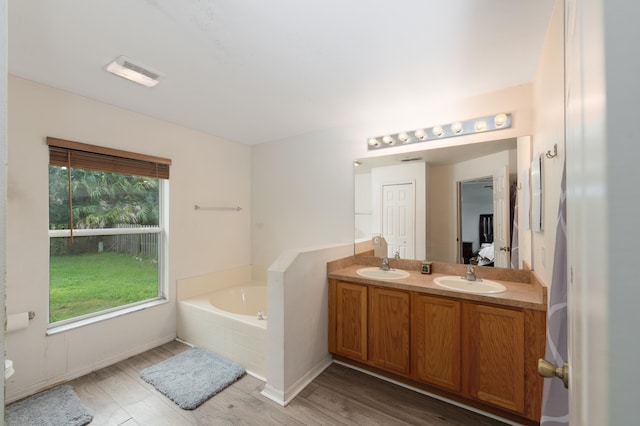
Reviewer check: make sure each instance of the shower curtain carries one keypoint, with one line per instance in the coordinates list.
(555, 398)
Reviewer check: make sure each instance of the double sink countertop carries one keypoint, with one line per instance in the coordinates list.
(523, 289)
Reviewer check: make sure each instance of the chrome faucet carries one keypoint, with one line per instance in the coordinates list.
(396, 255)
(470, 275)
(385, 264)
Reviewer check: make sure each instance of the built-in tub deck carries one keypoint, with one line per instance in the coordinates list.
(235, 335)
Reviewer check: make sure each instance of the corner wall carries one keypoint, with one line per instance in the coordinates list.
(206, 171)
(298, 306)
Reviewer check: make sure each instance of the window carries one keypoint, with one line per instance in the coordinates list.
(105, 229)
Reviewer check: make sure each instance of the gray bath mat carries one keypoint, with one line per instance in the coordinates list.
(59, 406)
(193, 376)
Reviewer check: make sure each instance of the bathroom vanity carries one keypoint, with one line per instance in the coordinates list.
(478, 349)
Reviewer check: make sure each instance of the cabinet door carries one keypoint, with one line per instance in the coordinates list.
(493, 357)
(436, 341)
(389, 329)
(351, 320)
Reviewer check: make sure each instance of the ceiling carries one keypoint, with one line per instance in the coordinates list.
(253, 71)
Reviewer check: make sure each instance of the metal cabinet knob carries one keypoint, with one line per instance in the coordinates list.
(546, 369)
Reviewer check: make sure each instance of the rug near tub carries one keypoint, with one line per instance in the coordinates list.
(59, 406)
(193, 376)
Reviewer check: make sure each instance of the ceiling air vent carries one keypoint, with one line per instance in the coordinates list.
(126, 68)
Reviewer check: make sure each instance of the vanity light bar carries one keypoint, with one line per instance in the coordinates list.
(457, 128)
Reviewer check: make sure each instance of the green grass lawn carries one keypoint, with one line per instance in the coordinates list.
(88, 283)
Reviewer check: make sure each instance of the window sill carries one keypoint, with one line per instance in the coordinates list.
(56, 329)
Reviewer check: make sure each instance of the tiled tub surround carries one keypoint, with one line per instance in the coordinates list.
(242, 338)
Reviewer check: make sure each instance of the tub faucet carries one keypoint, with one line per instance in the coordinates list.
(470, 275)
(385, 264)
(396, 255)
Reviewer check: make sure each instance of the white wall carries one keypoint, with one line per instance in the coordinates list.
(298, 306)
(363, 206)
(302, 193)
(206, 171)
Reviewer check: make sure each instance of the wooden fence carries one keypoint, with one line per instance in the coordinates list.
(141, 245)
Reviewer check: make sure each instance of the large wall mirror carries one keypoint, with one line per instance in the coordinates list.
(456, 204)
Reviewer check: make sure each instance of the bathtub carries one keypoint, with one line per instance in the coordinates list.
(226, 321)
(246, 303)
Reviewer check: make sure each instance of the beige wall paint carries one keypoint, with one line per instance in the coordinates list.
(206, 171)
(548, 129)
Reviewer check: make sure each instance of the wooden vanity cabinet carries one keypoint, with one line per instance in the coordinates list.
(436, 341)
(494, 360)
(389, 329)
(479, 352)
(348, 319)
(370, 324)
(500, 349)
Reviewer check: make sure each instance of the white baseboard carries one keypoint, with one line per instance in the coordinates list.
(86, 369)
(273, 394)
(285, 397)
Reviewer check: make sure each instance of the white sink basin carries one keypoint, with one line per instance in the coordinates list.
(478, 287)
(379, 274)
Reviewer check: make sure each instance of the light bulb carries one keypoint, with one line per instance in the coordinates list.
(373, 142)
(403, 137)
(437, 131)
(388, 140)
(420, 134)
(480, 126)
(456, 127)
(500, 120)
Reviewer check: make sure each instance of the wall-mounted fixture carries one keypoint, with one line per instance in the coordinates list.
(458, 128)
(197, 207)
(126, 68)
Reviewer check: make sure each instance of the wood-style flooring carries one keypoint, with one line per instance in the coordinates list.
(339, 396)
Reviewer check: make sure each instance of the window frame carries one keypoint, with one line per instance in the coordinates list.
(161, 230)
